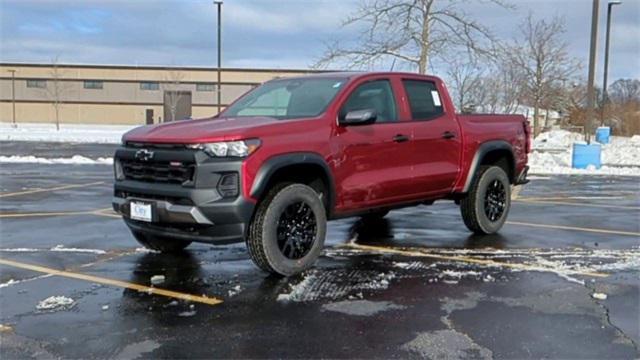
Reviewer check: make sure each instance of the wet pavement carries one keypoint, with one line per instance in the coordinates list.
(413, 285)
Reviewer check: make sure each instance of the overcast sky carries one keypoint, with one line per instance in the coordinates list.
(262, 34)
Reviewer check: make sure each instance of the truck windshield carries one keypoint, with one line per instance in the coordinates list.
(288, 98)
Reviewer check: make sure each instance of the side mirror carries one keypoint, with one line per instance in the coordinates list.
(359, 117)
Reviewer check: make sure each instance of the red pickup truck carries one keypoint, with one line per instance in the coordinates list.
(289, 155)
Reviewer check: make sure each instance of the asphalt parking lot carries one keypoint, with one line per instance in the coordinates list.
(415, 284)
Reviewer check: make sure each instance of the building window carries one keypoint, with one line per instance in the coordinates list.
(40, 84)
(149, 86)
(205, 87)
(92, 84)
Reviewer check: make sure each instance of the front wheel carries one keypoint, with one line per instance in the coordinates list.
(485, 208)
(287, 233)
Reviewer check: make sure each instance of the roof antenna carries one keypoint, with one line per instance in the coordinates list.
(393, 64)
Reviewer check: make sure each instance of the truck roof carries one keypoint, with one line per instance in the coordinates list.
(357, 74)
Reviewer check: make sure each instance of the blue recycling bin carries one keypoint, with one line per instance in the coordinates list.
(603, 133)
(585, 155)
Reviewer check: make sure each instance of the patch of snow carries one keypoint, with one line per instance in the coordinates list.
(72, 133)
(61, 248)
(54, 303)
(599, 296)
(12, 282)
(105, 307)
(143, 250)
(74, 160)
(9, 283)
(235, 291)
(298, 291)
(157, 279)
(57, 248)
(189, 313)
(20, 250)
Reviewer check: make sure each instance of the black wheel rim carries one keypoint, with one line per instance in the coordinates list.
(495, 200)
(297, 230)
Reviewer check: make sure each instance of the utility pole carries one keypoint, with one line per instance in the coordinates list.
(219, 5)
(592, 71)
(13, 95)
(605, 96)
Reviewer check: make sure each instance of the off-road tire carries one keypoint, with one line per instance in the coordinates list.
(472, 206)
(160, 243)
(262, 241)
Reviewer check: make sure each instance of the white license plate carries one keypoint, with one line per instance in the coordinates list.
(140, 211)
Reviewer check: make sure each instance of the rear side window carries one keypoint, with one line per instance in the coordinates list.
(424, 99)
(375, 95)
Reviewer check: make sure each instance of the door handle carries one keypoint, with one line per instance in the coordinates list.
(400, 138)
(448, 135)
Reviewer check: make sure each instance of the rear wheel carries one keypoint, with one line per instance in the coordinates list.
(160, 243)
(486, 206)
(287, 233)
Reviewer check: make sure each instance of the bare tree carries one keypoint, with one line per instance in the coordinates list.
(57, 89)
(623, 91)
(172, 93)
(543, 58)
(411, 31)
(465, 83)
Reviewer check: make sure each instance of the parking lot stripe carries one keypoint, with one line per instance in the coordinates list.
(554, 202)
(467, 259)
(53, 213)
(99, 212)
(575, 228)
(113, 282)
(64, 187)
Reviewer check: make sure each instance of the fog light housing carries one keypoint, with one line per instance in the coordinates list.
(228, 185)
(117, 170)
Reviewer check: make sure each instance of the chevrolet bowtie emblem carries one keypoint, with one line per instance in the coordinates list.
(144, 155)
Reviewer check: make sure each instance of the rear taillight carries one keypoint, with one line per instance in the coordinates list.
(527, 135)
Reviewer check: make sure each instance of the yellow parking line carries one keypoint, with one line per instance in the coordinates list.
(36, 214)
(99, 212)
(33, 191)
(550, 202)
(574, 228)
(113, 282)
(467, 259)
(108, 212)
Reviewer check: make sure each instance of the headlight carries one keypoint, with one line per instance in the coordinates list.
(242, 148)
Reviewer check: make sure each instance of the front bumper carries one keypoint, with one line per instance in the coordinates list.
(193, 211)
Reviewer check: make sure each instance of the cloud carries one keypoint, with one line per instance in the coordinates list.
(274, 33)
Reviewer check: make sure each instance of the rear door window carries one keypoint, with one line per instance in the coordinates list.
(424, 99)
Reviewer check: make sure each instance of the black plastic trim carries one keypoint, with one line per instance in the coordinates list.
(483, 150)
(271, 166)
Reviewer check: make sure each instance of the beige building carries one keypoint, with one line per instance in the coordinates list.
(107, 94)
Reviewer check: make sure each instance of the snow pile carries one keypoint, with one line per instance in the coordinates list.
(556, 140)
(54, 303)
(74, 160)
(74, 133)
(552, 155)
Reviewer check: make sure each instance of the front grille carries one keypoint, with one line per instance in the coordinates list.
(170, 172)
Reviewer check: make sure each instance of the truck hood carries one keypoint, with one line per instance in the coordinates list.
(199, 131)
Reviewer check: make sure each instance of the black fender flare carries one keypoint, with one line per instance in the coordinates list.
(277, 162)
(483, 150)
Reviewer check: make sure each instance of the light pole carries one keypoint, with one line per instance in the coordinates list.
(605, 96)
(13, 95)
(593, 49)
(219, 5)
